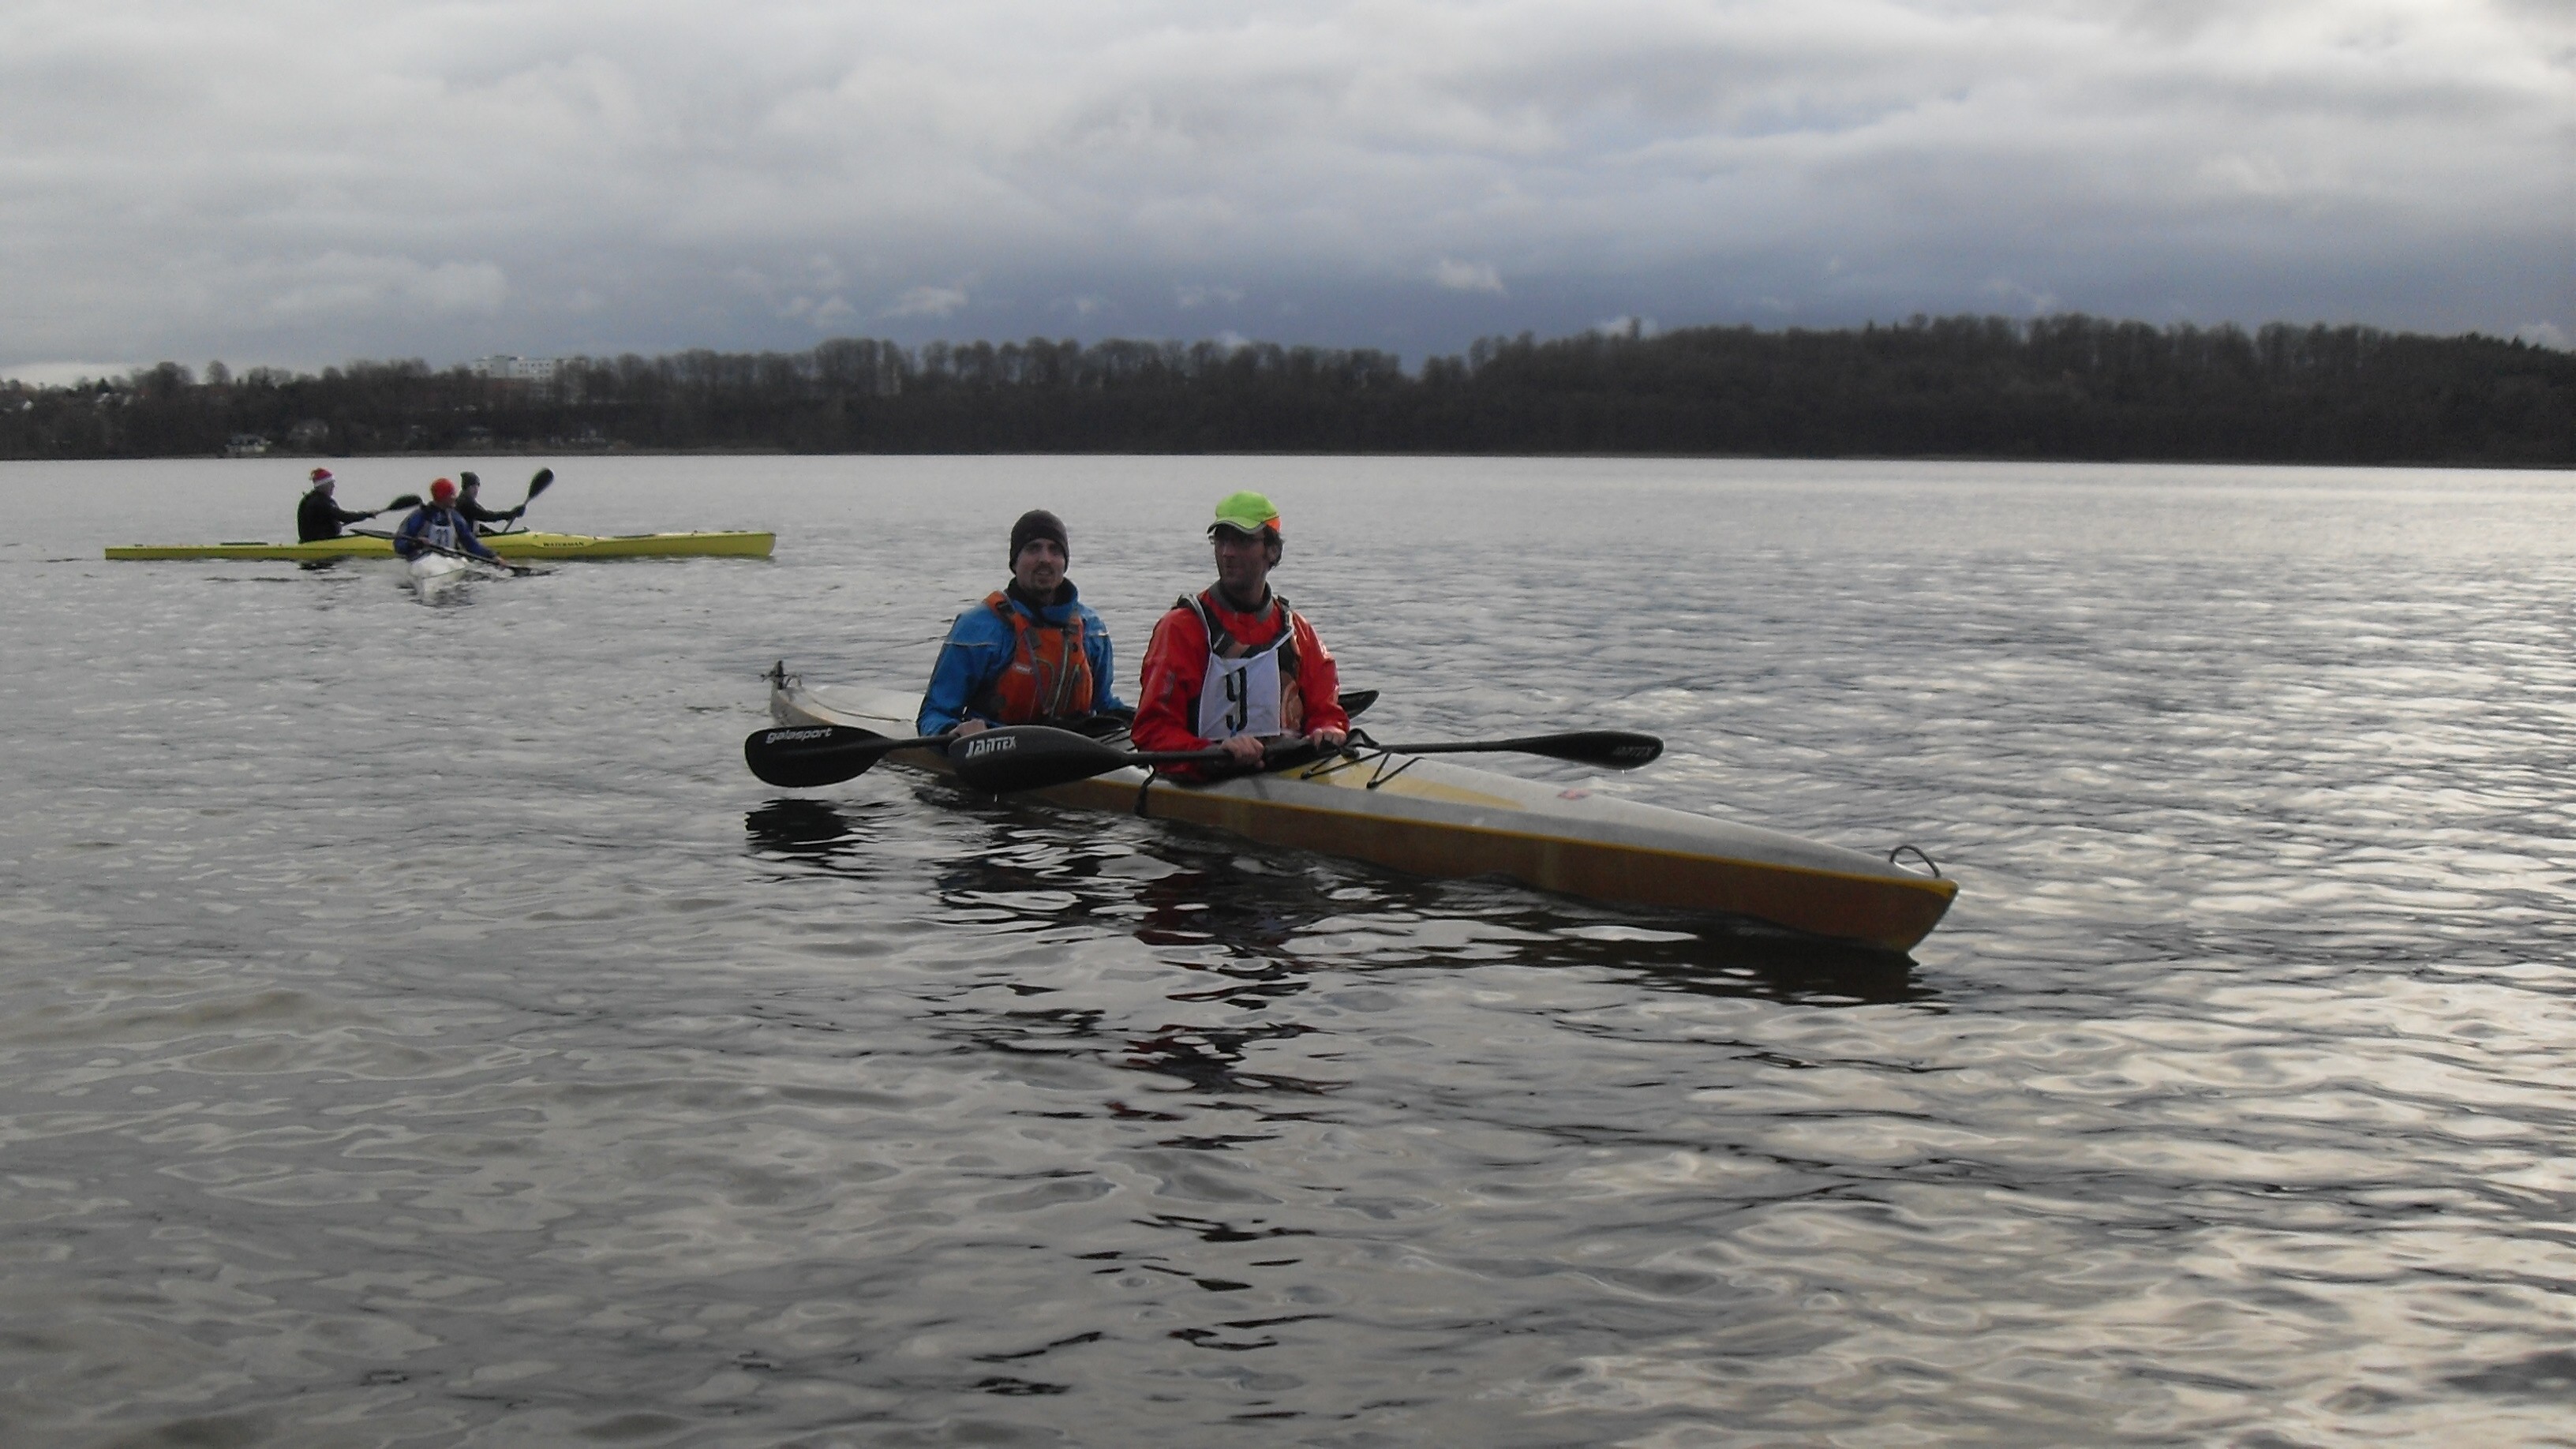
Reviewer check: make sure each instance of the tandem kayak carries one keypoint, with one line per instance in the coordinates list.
(729, 544)
(1434, 818)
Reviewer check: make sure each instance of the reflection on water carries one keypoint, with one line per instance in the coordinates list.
(1264, 920)
(811, 830)
(1746, 963)
(432, 1036)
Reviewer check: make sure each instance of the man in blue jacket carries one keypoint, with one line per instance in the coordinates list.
(1031, 653)
(437, 527)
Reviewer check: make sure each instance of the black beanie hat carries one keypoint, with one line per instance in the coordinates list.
(1034, 524)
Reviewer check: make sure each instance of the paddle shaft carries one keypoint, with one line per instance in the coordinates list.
(1617, 749)
(498, 563)
(1011, 758)
(1034, 757)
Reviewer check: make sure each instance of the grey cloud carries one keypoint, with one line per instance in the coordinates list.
(1460, 276)
(928, 302)
(299, 183)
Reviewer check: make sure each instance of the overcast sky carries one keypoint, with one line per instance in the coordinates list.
(297, 183)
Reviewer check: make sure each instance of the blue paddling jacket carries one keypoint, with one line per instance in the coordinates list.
(441, 526)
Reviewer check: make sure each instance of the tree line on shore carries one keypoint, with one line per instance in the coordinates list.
(2065, 387)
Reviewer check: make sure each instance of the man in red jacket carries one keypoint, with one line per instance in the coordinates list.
(1234, 665)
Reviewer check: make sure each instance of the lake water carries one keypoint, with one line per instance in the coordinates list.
(417, 1027)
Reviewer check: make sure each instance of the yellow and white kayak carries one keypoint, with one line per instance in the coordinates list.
(725, 544)
(1439, 819)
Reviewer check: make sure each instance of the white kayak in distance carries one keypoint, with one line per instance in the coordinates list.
(1431, 817)
(432, 570)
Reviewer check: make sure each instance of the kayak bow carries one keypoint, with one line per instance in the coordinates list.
(433, 570)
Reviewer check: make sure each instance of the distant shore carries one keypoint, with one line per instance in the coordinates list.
(439, 457)
(2062, 389)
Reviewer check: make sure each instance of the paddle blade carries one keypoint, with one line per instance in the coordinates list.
(544, 479)
(800, 757)
(1616, 749)
(1354, 702)
(1613, 749)
(407, 500)
(1030, 757)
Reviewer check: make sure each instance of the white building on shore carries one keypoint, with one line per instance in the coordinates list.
(508, 368)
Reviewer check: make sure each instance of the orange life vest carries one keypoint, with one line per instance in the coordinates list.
(1049, 676)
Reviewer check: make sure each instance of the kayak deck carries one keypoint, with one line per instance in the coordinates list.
(711, 544)
(1434, 818)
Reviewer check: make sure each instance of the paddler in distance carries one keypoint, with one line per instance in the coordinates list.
(1233, 665)
(319, 515)
(436, 527)
(470, 507)
(1031, 653)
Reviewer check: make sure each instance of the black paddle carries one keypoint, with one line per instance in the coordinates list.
(403, 500)
(472, 558)
(1032, 757)
(543, 479)
(800, 757)
(1615, 749)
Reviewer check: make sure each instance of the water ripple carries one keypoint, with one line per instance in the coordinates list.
(419, 1030)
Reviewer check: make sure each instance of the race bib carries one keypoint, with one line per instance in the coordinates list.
(1241, 697)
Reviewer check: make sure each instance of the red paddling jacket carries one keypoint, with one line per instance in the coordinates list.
(1212, 672)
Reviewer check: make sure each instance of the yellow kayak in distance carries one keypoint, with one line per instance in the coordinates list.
(1434, 818)
(532, 545)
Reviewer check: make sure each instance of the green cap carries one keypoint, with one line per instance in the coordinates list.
(1246, 513)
